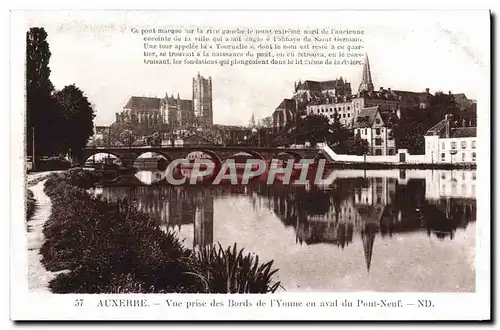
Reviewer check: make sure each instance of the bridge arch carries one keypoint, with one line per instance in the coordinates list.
(295, 155)
(246, 155)
(88, 156)
(256, 154)
(212, 154)
(153, 153)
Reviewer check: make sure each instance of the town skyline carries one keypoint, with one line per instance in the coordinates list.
(118, 72)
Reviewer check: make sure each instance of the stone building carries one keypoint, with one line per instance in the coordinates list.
(343, 106)
(375, 126)
(447, 144)
(285, 115)
(202, 100)
(310, 90)
(151, 112)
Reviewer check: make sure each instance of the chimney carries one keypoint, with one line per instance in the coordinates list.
(389, 89)
(448, 119)
(117, 117)
(381, 89)
(427, 90)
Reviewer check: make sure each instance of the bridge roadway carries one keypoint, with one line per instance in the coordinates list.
(218, 153)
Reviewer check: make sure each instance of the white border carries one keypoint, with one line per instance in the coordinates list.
(28, 306)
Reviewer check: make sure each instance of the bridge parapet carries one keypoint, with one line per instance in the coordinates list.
(219, 153)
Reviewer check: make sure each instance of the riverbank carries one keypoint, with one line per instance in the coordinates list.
(108, 247)
(403, 166)
(38, 276)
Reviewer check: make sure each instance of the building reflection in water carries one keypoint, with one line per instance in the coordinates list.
(357, 202)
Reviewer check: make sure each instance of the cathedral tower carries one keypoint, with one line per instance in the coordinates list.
(202, 100)
(366, 84)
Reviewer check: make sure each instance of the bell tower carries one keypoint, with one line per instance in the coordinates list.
(366, 84)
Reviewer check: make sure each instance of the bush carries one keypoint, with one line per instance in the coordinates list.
(30, 205)
(111, 247)
(229, 271)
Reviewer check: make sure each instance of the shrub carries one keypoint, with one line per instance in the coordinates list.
(111, 247)
(30, 205)
(229, 271)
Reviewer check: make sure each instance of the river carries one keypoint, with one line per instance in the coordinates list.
(365, 230)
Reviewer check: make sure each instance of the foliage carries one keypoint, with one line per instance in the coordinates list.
(410, 130)
(76, 118)
(30, 205)
(56, 121)
(41, 109)
(353, 145)
(267, 122)
(230, 271)
(111, 247)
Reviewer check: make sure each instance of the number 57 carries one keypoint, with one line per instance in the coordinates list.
(78, 302)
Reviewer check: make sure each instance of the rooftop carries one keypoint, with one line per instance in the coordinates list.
(142, 102)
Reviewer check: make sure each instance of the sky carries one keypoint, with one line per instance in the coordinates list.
(446, 51)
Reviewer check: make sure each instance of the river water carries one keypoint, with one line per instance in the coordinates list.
(364, 230)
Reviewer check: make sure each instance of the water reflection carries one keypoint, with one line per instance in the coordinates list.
(357, 205)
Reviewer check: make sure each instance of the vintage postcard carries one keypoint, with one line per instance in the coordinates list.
(250, 165)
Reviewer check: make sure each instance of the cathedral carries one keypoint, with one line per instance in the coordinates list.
(154, 112)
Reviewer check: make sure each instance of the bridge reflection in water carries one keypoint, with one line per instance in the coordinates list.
(357, 203)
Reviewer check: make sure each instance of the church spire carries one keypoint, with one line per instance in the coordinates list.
(366, 84)
(368, 237)
(252, 121)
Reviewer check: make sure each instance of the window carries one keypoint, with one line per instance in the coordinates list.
(378, 152)
(443, 145)
(365, 131)
(377, 131)
(473, 175)
(463, 156)
(348, 108)
(453, 145)
(464, 144)
(390, 151)
(378, 141)
(377, 121)
(331, 109)
(473, 144)
(343, 116)
(443, 156)
(348, 115)
(473, 156)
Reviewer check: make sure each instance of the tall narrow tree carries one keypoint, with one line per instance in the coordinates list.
(40, 108)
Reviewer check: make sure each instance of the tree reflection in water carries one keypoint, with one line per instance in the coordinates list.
(367, 205)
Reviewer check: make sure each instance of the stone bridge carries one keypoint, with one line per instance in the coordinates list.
(128, 155)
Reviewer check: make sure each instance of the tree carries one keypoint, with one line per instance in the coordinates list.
(339, 135)
(354, 145)
(41, 109)
(76, 118)
(267, 122)
(313, 128)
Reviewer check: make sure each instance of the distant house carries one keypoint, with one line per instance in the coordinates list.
(446, 144)
(375, 127)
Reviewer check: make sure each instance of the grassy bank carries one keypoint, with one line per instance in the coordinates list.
(113, 248)
(30, 205)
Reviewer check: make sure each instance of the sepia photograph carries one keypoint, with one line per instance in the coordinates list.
(168, 155)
